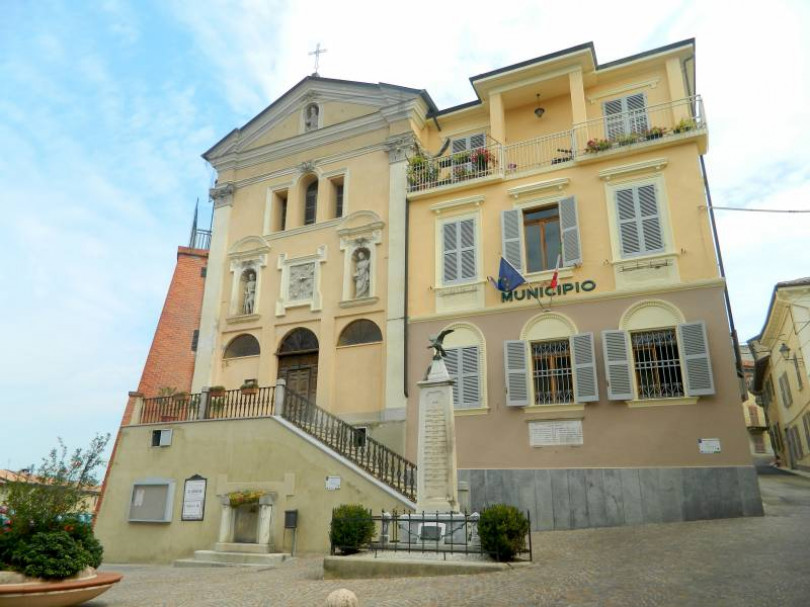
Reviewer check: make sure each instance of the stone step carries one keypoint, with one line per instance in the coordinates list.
(200, 563)
(242, 547)
(240, 558)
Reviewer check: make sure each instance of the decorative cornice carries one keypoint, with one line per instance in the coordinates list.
(398, 145)
(648, 166)
(308, 166)
(361, 230)
(539, 186)
(353, 303)
(242, 318)
(458, 203)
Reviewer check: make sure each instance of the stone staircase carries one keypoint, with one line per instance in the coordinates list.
(257, 556)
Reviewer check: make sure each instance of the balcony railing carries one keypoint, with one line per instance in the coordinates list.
(583, 141)
(200, 239)
(231, 404)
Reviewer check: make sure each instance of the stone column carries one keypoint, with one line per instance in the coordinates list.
(226, 521)
(209, 317)
(137, 408)
(579, 113)
(437, 476)
(278, 397)
(265, 532)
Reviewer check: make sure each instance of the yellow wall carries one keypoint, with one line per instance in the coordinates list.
(231, 455)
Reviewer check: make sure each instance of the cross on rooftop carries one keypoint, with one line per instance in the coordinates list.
(317, 52)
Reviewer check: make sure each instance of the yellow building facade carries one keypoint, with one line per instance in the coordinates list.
(781, 379)
(610, 397)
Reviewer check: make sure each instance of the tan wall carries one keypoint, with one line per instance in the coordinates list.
(232, 455)
(359, 375)
(614, 434)
(522, 124)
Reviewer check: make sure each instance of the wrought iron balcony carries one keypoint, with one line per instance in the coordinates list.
(586, 141)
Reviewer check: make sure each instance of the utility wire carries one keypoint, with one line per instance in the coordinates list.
(703, 206)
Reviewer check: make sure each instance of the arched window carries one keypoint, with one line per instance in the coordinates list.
(311, 203)
(360, 332)
(242, 345)
(298, 340)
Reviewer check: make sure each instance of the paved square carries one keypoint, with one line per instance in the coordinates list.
(753, 561)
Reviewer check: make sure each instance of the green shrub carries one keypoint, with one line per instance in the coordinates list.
(502, 530)
(352, 527)
(52, 555)
(82, 533)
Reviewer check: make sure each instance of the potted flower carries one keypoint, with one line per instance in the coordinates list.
(481, 158)
(597, 145)
(249, 388)
(627, 138)
(461, 157)
(462, 172)
(684, 125)
(244, 497)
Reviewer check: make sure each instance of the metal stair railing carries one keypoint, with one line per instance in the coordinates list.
(372, 456)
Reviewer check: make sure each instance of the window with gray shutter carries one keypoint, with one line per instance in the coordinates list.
(512, 237)
(625, 115)
(784, 388)
(616, 350)
(586, 388)
(639, 221)
(517, 376)
(463, 366)
(458, 255)
(571, 254)
(697, 364)
(469, 143)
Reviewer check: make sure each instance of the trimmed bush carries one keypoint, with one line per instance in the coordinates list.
(502, 530)
(352, 528)
(52, 555)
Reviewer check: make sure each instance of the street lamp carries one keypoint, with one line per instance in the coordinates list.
(784, 350)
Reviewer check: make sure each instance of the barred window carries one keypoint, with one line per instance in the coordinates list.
(657, 364)
(551, 372)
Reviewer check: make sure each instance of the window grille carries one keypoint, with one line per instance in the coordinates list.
(551, 372)
(360, 331)
(657, 364)
(242, 345)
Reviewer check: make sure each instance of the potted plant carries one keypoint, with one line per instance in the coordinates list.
(654, 132)
(597, 145)
(684, 125)
(181, 397)
(249, 388)
(422, 171)
(244, 497)
(216, 391)
(481, 158)
(461, 157)
(627, 138)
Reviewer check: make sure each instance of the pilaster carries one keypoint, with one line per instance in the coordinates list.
(497, 121)
(677, 89)
(578, 111)
(222, 196)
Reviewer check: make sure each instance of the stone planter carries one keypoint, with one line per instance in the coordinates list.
(18, 591)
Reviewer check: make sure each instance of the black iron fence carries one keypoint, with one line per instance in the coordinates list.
(353, 444)
(229, 404)
(200, 239)
(444, 533)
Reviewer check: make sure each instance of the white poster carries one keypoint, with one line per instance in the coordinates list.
(544, 434)
(332, 483)
(194, 499)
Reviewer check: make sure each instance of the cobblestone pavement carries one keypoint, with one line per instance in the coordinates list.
(752, 561)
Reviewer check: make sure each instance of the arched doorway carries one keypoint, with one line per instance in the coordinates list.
(298, 362)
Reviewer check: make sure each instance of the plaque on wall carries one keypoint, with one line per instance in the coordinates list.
(709, 445)
(194, 499)
(552, 433)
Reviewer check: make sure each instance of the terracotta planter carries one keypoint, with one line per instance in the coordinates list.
(57, 594)
(249, 391)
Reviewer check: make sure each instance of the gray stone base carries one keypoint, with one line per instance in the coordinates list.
(610, 497)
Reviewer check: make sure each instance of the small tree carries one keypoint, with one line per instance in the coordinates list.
(502, 530)
(45, 507)
(352, 528)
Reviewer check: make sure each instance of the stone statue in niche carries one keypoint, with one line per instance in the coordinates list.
(362, 273)
(311, 117)
(250, 292)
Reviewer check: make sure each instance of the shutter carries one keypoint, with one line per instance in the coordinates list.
(784, 388)
(697, 365)
(467, 249)
(628, 223)
(459, 145)
(451, 362)
(477, 141)
(614, 125)
(512, 238)
(650, 220)
(583, 358)
(637, 112)
(517, 376)
(450, 271)
(618, 365)
(469, 371)
(569, 230)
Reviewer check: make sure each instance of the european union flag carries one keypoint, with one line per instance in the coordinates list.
(509, 278)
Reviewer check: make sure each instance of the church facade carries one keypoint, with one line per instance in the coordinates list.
(354, 221)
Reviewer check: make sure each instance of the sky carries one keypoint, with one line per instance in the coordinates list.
(106, 107)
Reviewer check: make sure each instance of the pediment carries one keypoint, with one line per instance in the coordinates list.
(338, 102)
(247, 246)
(360, 221)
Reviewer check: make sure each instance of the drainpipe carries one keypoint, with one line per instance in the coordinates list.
(405, 311)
